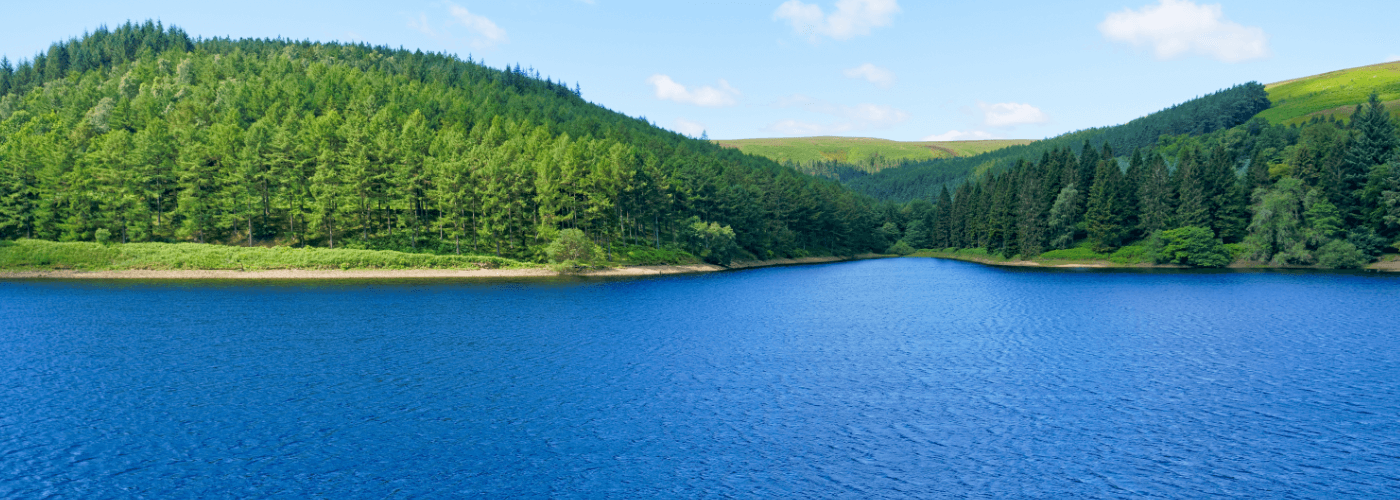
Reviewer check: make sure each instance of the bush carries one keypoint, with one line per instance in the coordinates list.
(571, 247)
(1192, 246)
(1131, 254)
(900, 248)
(1341, 254)
(102, 235)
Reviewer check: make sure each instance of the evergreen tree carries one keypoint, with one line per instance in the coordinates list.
(1104, 217)
(1373, 141)
(1157, 197)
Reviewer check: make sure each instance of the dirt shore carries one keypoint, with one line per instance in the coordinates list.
(538, 272)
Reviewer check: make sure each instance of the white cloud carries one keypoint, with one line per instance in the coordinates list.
(794, 127)
(958, 135)
(1177, 27)
(668, 89)
(860, 116)
(871, 73)
(851, 18)
(1006, 114)
(1392, 58)
(421, 25)
(484, 33)
(689, 128)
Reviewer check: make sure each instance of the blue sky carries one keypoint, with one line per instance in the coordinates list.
(893, 69)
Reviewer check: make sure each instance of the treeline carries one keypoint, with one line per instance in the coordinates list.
(144, 134)
(923, 180)
(1325, 193)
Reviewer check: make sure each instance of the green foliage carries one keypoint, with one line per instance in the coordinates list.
(103, 236)
(37, 254)
(572, 247)
(923, 180)
(1078, 253)
(1341, 254)
(900, 248)
(714, 242)
(1193, 246)
(648, 256)
(157, 137)
(1131, 254)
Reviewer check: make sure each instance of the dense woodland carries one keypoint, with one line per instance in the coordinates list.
(1324, 193)
(924, 180)
(141, 133)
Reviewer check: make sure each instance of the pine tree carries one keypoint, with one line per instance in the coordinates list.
(1194, 205)
(1373, 141)
(1104, 217)
(1157, 197)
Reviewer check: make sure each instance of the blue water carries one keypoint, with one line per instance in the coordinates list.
(899, 378)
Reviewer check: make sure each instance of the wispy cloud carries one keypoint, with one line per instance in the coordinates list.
(1006, 114)
(667, 89)
(689, 128)
(483, 33)
(871, 73)
(958, 135)
(1177, 27)
(849, 118)
(850, 19)
(1392, 58)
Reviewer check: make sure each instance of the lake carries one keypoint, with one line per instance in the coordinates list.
(895, 378)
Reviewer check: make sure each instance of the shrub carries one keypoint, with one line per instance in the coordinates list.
(1131, 254)
(1192, 246)
(571, 247)
(900, 248)
(102, 235)
(1340, 254)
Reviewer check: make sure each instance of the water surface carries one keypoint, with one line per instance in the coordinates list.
(899, 378)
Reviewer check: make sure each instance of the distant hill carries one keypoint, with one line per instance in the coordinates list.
(870, 153)
(923, 180)
(1333, 94)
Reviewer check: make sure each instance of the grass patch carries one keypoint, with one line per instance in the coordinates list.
(1129, 255)
(1077, 253)
(862, 151)
(1336, 93)
(640, 255)
(38, 254)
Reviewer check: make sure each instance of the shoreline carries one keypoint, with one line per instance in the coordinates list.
(1392, 265)
(316, 274)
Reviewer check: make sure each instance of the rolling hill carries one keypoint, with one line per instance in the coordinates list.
(1332, 94)
(144, 133)
(873, 154)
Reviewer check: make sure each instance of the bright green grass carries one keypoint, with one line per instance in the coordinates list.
(37, 254)
(1336, 93)
(862, 151)
(1077, 253)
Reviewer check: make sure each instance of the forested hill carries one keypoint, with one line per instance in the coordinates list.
(924, 180)
(147, 134)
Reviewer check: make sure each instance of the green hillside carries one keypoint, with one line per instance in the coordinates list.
(925, 179)
(146, 134)
(862, 151)
(1333, 94)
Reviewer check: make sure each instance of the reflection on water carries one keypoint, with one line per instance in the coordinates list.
(877, 379)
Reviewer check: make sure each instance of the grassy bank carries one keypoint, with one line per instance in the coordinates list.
(23, 255)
